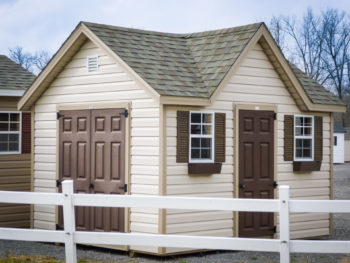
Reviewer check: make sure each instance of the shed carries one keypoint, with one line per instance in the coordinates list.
(338, 140)
(215, 114)
(15, 141)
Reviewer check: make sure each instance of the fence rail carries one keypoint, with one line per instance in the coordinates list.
(284, 206)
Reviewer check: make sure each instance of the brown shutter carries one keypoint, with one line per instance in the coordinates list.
(288, 137)
(220, 137)
(26, 132)
(182, 141)
(318, 137)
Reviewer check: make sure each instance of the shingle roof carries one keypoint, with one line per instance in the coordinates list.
(338, 128)
(316, 92)
(190, 65)
(13, 76)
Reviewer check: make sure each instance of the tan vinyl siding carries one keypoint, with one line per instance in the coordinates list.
(347, 150)
(14, 176)
(110, 84)
(254, 83)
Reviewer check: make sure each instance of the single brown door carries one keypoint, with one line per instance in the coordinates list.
(74, 159)
(256, 169)
(92, 153)
(107, 166)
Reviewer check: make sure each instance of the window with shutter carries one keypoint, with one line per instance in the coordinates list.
(303, 135)
(201, 141)
(10, 132)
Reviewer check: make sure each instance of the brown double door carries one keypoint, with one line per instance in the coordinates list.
(256, 169)
(92, 153)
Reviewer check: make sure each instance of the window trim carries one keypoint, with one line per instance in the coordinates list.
(312, 137)
(212, 136)
(19, 132)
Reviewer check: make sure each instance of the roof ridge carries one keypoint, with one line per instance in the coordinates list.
(177, 35)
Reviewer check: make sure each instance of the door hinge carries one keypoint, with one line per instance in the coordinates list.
(124, 188)
(274, 229)
(274, 116)
(58, 227)
(58, 183)
(58, 115)
(275, 184)
(125, 113)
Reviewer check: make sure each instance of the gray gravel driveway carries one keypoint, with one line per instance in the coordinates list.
(341, 232)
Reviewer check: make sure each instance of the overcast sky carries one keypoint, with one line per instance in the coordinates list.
(44, 24)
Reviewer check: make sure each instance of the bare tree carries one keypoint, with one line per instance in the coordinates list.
(24, 59)
(318, 44)
(34, 63)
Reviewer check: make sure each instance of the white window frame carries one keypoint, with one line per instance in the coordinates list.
(14, 132)
(305, 137)
(212, 136)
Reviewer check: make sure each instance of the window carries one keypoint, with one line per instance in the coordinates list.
(335, 140)
(303, 138)
(201, 137)
(10, 132)
(92, 64)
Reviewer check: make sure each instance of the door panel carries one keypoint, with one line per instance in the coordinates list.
(107, 173)
(92, 153)
(74, 159)
(256, 169)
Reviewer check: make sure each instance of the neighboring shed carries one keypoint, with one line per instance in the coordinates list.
(15, 138)
(215, 114)
(347, 145)
(338, 141)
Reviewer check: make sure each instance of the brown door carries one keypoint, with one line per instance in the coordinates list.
(256, 169)
(107, 166)
(92, 153)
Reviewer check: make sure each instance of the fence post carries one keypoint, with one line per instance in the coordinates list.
(283, 192)
(69, 222)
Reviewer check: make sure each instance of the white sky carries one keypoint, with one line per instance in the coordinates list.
(45, 24)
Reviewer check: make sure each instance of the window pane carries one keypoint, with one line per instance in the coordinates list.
(205, 154)
(298, 153)
(3, 147)
(298, 131)
(14, 137)
(206, 129)
(307, 131)
(207, 118)
(14, 126)
(195, 117)
(298, 143)
(4, 137)
(205, 142)
(307, 121)
(4, 117)
(14, 117)
(195, 129)
(307, 153)
(195, 142)
(4, 126)
(14, 146)
(297, 121)
(307, 143)
(195, 153)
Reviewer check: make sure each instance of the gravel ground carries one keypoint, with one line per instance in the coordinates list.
(341, 232)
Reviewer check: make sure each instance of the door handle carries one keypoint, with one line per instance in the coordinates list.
(241, 186)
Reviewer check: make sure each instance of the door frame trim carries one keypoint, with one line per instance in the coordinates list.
(236, 109)
(93, 106)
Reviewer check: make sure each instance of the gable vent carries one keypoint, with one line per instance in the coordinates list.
(92, 63)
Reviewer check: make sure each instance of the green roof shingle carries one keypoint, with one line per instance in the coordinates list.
(13, 76)
(190, 65)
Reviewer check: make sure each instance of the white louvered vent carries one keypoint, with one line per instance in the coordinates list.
(92, 63)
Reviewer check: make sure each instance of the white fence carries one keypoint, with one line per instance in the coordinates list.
(70, 237)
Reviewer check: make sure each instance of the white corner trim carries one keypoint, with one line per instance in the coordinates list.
(11, 92)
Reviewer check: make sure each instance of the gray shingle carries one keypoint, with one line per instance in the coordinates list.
(13, 76)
